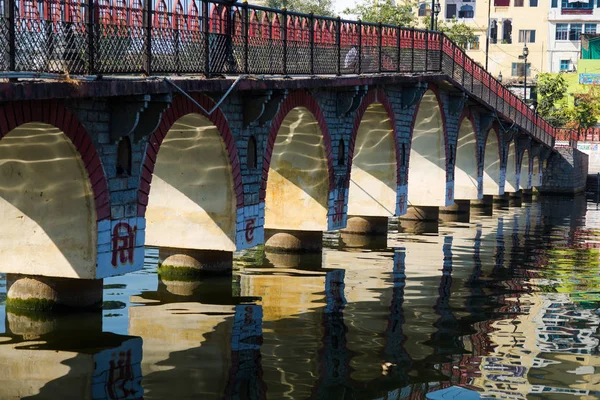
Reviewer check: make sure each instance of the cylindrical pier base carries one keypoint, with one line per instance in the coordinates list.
(293, 241)
(178, 263)
(527, 195)
(362, 241)
(515, 199)
(308, 261)
(418, 213)
(501, 201)
(484, 207)
(366, 225)
(43, 293)
(457, 212)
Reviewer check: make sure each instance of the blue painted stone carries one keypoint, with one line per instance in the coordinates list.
(454, 392)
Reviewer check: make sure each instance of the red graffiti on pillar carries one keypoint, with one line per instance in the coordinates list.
(119, 375)
(401, 205)
(250, 230)
(123, 243)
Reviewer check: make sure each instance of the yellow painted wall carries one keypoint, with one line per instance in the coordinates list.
(373, 177)
(427, 165)
(510, 185)
(465, 172)
(192, 203)
(491, 166)
(298, 183)
(46, 205)
(524, 180)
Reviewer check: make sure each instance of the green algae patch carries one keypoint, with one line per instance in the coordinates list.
(183, 274)
(30, 304)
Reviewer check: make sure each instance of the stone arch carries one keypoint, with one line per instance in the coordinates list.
(428, 160)
(511, 184)
(525, 171)
(492, 163)
(536, 171)
(194, 207)
(466, 172)
(53, 192)
(374, 174)
(313, 143)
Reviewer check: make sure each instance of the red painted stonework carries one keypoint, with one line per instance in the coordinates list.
(55, 113)
(180, 107)
(297, 99)
(374, 96)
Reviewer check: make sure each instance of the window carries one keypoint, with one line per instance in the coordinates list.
(554, 3)
(493, 31)
(518, 3)
(466, 12)
(574, 31)
(507, 31)
(517, 69)
(501, 3)
(533, 3)
(565, 65)
(450, 11)
(526, 36)
(424, 10)
(562, 32)
(474, 45)
(577, 5)
(590, 28)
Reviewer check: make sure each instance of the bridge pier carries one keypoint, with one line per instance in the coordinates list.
(527, 195)
(501, 201)
(458, 212)
(484, 206)
(189, 262)
(515, 199)
(289, 241)
(420, 219)
(42, 293)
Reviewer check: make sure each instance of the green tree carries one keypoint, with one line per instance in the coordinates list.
(551, 89)
(318, 7)
(385, 11)
(586, 110)
(459, 32)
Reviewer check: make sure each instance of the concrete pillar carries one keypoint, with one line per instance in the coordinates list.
(457, 212)
(188, 262)
(287, 241)
(420, 220)
(484, 206)
(42, 293)
(515, 199)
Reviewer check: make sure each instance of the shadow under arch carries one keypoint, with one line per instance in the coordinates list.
(511, 184)
(525, 171)
(53, 192)
(466, 172)
(427, 177)
(536, 172)
(492, 163)
(297, 167)
(373, 155)
(193, 164)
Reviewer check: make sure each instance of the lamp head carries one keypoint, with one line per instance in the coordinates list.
(525, 51)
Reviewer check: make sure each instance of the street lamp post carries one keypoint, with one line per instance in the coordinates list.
(525, 54)
(435, 10)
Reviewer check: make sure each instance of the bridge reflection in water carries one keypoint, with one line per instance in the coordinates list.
(503, 304)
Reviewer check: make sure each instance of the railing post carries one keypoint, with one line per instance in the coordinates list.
(148, 37)
(380, 45)
(206, 33)
(412, 51)
(246, 25)
(285, 32)
(359, 46)
(339, 45)
(441, 36)
(426, 50)
(12, 56)
(91, 70)
(399, 59)
(311, 38)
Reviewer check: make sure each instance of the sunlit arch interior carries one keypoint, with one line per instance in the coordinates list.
(192, 204)
(373, 179)
(427, 165)
(47, 205)
(466, 171)
(510, 185)
(491, 164)
(298, 180)
(524, 182)
(535, 171)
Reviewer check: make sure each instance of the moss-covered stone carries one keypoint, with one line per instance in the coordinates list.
(184, 274)
(31, 304)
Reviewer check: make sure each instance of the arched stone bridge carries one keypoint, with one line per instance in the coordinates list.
(91, 170)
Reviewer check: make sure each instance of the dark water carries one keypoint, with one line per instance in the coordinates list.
(506, 305)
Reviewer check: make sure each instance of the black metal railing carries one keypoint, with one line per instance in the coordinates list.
(100, 37)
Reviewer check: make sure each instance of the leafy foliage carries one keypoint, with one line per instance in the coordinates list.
(459, 32)
(385, 11)
(586, 111)
(318, 7)
(551, 89)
